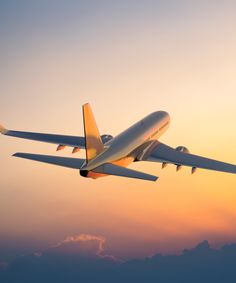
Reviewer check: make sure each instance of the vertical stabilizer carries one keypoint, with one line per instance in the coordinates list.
(93, 142)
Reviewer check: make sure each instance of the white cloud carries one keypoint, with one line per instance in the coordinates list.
(84, 245)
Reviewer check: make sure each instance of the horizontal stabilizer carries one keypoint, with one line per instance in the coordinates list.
(75, 163)
(112, 169)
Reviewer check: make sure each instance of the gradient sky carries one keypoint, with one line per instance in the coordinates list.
(127, 58)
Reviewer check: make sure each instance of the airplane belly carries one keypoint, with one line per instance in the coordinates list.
(124, 162)
(126, 142)
(116, 153)
(95, 175)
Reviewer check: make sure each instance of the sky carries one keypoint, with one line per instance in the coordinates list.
(127, 59)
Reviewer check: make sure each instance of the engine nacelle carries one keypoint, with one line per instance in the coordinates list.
(106, 138)
(182, 149)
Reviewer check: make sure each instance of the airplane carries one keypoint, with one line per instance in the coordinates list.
(107, 155)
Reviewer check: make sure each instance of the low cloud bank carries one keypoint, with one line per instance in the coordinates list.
(83, 258)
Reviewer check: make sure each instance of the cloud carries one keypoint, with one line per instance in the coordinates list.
(83, 245)
(79, 257)
(86, 242)
(82, 258)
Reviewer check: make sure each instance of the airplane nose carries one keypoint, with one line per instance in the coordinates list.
(167, 115)
(164, 114)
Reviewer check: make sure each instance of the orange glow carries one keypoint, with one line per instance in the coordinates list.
(95, 175)
(124, 161)
(127, 63)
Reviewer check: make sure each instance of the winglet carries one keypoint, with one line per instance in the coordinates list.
(3, 130)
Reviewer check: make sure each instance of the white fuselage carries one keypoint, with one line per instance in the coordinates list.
(149, 128)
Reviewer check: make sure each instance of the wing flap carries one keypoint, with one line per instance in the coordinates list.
(116, 170)
(167, 154)
(68, 162)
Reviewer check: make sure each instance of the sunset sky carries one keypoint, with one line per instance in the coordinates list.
(127, 59)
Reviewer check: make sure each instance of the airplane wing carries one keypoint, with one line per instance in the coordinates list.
(73, 141)
(166, 154)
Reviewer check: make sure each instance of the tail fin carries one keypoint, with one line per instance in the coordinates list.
(93, 142)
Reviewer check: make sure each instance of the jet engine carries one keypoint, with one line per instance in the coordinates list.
(181, 149)
(105, 138)
(185, 150)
